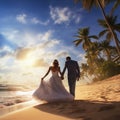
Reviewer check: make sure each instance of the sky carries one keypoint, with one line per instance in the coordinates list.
(35, 32)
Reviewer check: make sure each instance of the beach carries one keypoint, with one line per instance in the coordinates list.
(97, 101)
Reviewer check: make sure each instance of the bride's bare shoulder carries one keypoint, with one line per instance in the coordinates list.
(50, 67)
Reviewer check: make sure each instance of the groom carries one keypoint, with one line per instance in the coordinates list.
(73, 73)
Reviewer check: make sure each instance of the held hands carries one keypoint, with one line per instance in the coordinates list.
(78, 78)
(42, 80)
(62, 77)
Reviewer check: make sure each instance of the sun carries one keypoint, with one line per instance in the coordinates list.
(29, 62)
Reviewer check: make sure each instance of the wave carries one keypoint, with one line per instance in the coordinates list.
(10, 87)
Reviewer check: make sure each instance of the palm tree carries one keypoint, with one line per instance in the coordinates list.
(84, 71)
(84, 38)
(95, 49)
(93, 53)
(106, 48)
(88, 4)
(115, 27)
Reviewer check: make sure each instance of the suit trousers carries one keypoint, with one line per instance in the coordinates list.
(72, 84)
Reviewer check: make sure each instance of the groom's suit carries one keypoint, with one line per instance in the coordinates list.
(73, 73)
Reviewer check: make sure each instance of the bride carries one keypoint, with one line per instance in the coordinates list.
(53, 89)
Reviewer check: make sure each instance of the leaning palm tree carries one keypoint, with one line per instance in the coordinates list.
(115, 27)
(84, 38)
(88, 4)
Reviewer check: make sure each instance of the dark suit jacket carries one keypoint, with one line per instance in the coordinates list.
(73, 68)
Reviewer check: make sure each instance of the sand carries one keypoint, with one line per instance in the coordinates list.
(98, 101)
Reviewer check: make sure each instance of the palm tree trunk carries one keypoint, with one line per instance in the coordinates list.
(113, 34)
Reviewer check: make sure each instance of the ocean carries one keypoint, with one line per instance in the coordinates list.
(14, 97)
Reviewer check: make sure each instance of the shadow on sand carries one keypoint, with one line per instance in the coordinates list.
(83, 110)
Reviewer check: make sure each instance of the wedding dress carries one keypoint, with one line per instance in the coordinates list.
(52, 90)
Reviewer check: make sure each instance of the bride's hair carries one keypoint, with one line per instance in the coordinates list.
(55, 63)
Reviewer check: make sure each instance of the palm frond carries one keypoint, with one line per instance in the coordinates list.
(102, 23)
(102, 33)
(93, 36)
(117, 27)
(84, 31)
(77, 42)
(116, 4)
(77, 36)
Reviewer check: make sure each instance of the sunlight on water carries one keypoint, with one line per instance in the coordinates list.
(25, 93)
(17, 107)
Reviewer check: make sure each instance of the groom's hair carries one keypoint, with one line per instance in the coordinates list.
(68, 58)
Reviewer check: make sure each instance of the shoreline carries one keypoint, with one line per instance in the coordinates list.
(20, 106)
(76, 110)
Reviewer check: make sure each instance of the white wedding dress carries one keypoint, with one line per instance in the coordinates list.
(52, 90)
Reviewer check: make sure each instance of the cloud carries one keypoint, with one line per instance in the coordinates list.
(36, 45)
(26, 38)
(44, 36)
(40, 63)
(49, 44)
(6, 64)
(28, 73)
(22, 53)
(76, 18)
(62, 53)
(6, 42)
(36, 21)
(63, 15)
(21, 18)
(6, 46)
(6, 51)
(82, 58)
(30, 44)
(2, 39)
(26, 19)
(60, 15)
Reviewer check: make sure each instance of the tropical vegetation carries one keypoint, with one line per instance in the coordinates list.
(102, 58)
